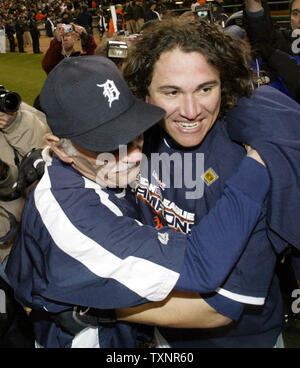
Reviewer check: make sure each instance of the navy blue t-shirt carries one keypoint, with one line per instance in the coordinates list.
(250, 295)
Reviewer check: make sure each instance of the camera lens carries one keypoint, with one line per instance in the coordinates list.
(10, 102)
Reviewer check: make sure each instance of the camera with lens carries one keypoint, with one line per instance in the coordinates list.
(68, 28)
(211, 11)
(117, 50)
(204, 11)
(9, 101)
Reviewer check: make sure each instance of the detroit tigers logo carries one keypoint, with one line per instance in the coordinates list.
(110, 91)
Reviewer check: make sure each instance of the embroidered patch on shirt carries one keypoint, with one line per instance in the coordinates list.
(209, 176)
(163, 238)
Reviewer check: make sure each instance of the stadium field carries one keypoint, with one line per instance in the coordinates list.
(22, 73)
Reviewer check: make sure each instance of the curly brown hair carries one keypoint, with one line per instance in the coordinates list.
(223, 51)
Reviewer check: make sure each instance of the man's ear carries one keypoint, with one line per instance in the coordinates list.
(53, 141)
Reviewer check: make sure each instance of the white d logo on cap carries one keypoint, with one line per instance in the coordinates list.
(110, 91)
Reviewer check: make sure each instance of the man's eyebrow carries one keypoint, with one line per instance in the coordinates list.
(168, 87)
(212, 82)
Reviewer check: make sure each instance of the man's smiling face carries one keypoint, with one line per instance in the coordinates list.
(189, 89)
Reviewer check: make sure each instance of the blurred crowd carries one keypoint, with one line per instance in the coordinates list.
(24, 19)
(13, 11)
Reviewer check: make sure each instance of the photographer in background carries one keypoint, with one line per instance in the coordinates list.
(22, 128)
(62, 45)
(260, 26)
(277, 69)
(279, 48)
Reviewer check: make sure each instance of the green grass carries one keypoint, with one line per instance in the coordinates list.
(22, 73)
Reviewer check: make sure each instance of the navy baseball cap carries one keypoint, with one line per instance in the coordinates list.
(86, 99)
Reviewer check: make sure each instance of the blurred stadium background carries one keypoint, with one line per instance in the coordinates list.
(23, 72)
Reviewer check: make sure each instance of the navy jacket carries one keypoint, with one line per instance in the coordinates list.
(270, 122)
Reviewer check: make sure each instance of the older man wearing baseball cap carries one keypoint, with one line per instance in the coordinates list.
(81, 246)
